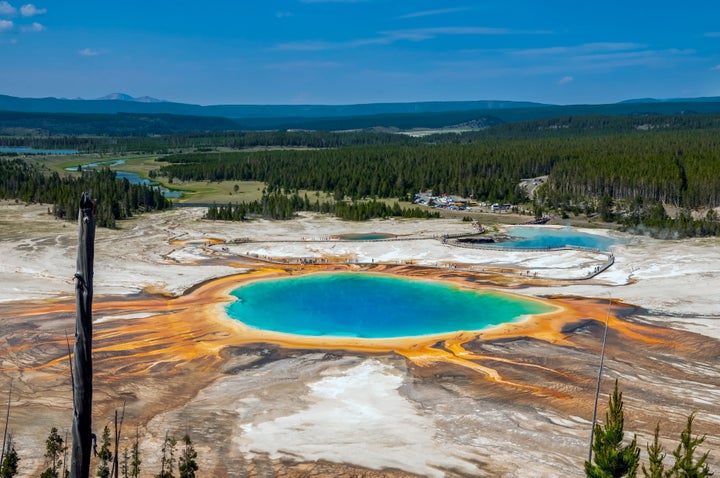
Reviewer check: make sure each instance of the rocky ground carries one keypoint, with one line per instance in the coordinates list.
(514, 401)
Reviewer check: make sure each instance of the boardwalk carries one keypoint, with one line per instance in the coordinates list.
(244, 247)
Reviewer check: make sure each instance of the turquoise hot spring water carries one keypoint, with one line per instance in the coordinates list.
(373, 306)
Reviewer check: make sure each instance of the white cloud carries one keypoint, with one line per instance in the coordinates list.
(332, 1)
(31, 10)
(427, 13)
(283, 14)
(88, 52)
(600, 56)
(583, 48)
(565, 80)
(307, 46)
(5, 25)
(6, 8)
(392, 36)
(303, 65)
(427, 33)
(430, 33)
(649, 58)
(34, 27)
(712, 34)
(715, 68)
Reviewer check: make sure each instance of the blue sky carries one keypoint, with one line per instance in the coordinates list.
(361, 51)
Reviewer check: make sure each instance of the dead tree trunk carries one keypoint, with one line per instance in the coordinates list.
(82, 355)
(7, 421)
(114, 473)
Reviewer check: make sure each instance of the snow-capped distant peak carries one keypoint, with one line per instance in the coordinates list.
(148, 99)
(118, 97)
(126, 97)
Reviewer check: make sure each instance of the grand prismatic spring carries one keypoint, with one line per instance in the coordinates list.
(372, 306)
(410, 404)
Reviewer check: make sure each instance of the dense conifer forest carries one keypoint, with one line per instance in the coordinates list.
(281, 206)
(623, 168)
(205, 140)
(116, 198)
(110, 141)
(675, 167)
(369, 171)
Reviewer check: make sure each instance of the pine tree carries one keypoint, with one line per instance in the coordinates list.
(125, 468)
(135, 457)
(685, 464)
(9, 466)
(168, 458)
(105, 455)
(54, 447)
(187, 463)
(612, 459)
(656, 456)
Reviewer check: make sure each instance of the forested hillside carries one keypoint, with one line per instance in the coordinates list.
(371, 171)
(600, 124)
(681, 168)
(619, 167)
(133, 124)
(678, 167)
(202, 140)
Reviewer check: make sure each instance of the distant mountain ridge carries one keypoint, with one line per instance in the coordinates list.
(123, 103)
(701, 99)
(126, 97)
(157, 115)
(131, 124)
